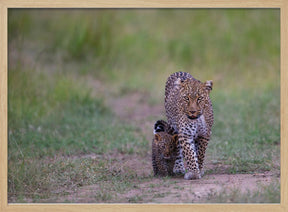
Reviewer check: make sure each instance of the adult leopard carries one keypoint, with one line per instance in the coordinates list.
(189, 111)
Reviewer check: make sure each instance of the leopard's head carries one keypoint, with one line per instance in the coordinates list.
(194, 96)
(167, 144)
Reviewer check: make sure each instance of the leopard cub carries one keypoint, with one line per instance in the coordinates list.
(164, 149)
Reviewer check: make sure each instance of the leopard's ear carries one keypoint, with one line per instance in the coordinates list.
(209, 85)
(157, 137)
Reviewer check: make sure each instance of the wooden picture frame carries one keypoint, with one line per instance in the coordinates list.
(5, 4)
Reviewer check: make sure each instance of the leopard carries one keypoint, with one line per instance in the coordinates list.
(189, 111)
(164, 149)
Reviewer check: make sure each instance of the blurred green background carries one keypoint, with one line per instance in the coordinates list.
(67, 66)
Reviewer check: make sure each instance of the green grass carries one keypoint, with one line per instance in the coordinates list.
(60, 118)
(60, 115)
(246, 134)
(55, 110)
(264, 194)
(67, 121)
(46, 179)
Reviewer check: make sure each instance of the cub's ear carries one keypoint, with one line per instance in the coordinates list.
(157, 137)
(180, 81)
(209, 85)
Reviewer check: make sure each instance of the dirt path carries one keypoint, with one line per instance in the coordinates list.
(173, 189)
(166, 190)
(197, 191)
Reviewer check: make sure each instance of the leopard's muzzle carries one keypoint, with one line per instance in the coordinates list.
(194, 114)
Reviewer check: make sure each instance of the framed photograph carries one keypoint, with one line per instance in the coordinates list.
(142, 105)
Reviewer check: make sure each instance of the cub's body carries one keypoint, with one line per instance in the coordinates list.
(164, 149)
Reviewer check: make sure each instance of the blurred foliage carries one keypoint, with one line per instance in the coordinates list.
(235, 47)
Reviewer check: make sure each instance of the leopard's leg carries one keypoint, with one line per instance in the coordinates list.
(154, 164)
(190, 155)
(179, 164)
(201, 146)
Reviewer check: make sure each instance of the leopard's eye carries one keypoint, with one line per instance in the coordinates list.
(186, 98)
(200, 98)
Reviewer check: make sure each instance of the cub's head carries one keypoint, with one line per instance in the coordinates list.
(194, 96)
(167, 144)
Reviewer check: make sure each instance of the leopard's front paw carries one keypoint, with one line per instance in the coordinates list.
(192, 176)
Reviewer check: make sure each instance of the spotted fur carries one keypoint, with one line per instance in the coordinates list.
(164, 149)
(189, 111)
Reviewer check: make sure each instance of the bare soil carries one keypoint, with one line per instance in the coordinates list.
(134, 108)
(172, 189)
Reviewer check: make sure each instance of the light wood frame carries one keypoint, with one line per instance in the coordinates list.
(5, 4)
